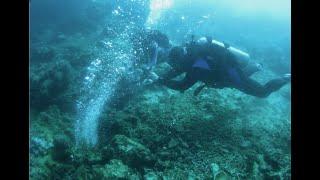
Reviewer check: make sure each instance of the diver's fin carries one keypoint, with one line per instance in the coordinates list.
(198, 90)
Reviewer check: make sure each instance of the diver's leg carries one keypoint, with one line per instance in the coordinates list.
(252, 68)
(252, 87)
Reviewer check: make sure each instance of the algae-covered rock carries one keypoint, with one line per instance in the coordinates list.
(42, 53)
(94, 157)
(151, 176)
(48, 82)
(107, 153)
(39, 146)
(38, 168)
(214, 168)
(256, 174)
(172, 143)
(132, 152)
(175, 174)
(61, 171)
(115, 170)
(83, 172)
(221, 175)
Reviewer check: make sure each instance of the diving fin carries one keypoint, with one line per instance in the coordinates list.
(198, 90)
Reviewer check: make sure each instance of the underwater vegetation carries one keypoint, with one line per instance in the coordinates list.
(94, 116)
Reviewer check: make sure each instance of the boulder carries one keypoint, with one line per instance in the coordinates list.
(39, 146)
(151, 176)
(131, 152)
(173, 143)
(114, 170)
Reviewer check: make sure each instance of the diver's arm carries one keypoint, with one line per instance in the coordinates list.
(168, 76)
(154, 56)
(181, 85)
(171, 74)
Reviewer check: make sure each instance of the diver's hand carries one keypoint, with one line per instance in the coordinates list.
(154, 45)
(147, 82)
(153, 76)
(159, 81)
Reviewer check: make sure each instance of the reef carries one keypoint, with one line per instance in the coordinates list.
(162, 134)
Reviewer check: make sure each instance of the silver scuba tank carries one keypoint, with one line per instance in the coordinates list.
(242, 57)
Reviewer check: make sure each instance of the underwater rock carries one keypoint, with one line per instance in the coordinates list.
(274, 177)
(162, 68)
(115, 170)
(256, 174)
(132, 152)
(164, 154)
(42, 54)
(61, 171)
(192, 176)
(214, 168)
(221, 175)
(84, 172)
(38, 172)
(151, 176)
(107, 153)
(94, 157)
(175, 173)
(122, 123)
(262, 164)
(39, 146)
(245, 144)
(52, 121)
(164, 164)
(173, 143)
(86, 156)
(184, 144)
(48, 82)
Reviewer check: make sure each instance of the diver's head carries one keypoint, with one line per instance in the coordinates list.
(176, 55)
(202, 40)
(160, 38)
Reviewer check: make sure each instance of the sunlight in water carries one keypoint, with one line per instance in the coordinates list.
(275, 8)
(156, 8)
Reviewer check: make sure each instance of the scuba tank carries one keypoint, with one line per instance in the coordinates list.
(242, 57)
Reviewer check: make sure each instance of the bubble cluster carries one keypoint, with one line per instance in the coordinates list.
(99, 84)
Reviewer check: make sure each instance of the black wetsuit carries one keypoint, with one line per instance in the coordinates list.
(217, 69)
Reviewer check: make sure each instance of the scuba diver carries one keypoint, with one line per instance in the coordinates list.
(217, 65)
(150, 47)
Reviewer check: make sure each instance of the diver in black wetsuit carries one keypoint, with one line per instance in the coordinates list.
(217, 67)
